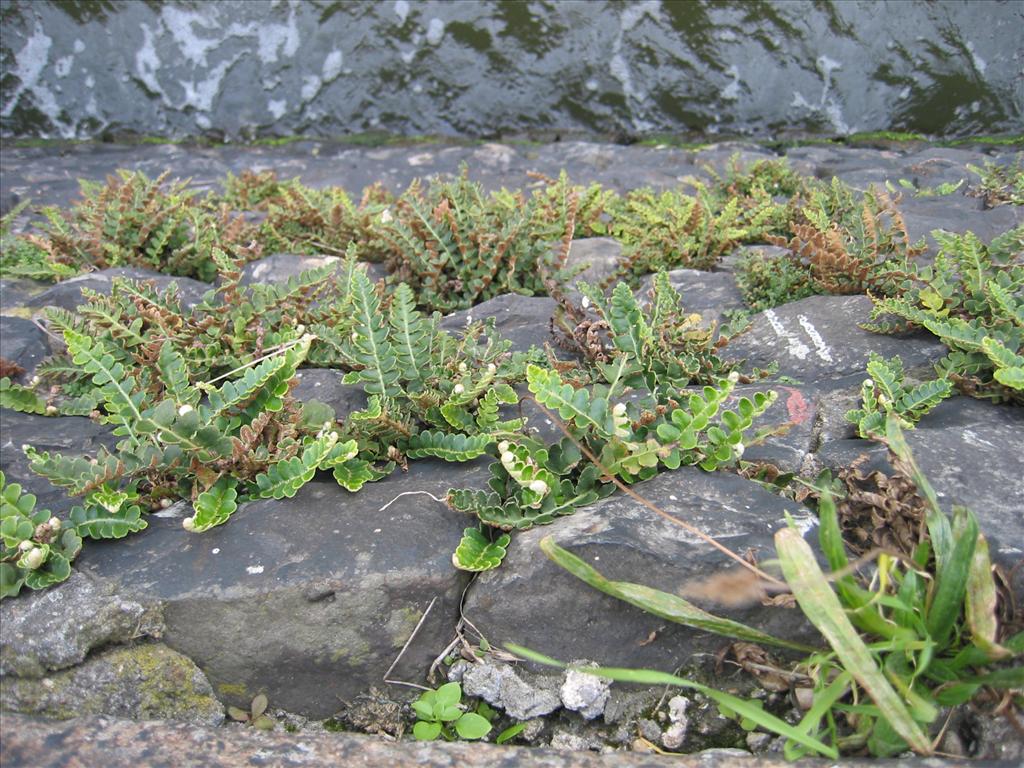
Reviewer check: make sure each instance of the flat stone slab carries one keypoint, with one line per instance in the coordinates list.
(818, 338)
(523, 320)
(116, 743)
(308, 599)
(23, 343)
(70, 435)
(531, 601)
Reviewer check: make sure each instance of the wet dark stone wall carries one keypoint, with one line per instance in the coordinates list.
(241, 68)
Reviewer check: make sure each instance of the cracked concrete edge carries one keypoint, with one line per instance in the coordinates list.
(29, 742)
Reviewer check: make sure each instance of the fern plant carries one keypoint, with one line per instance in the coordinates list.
(558, 205)
(885, 394)
(850, 245)
(429, 393)
(768, 192)
(657, 345)
(999, 184)
(27, 255)
(672, 230)
(37, 548)
(456, 246)
(972, 299)
(532, 485)
(132, 220)
(301, 219)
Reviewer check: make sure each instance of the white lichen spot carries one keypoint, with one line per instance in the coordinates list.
(277, 108)
(79, 46)
(401, 11)
(29, 63)
(435, 31)
(979, 63)
(254, 569)
(731, 92)
(310, 87)
(332, 66)
(62, 67)
(275, 39)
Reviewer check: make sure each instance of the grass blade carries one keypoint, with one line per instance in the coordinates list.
(667, 606)
(820, 604)
(981, 603)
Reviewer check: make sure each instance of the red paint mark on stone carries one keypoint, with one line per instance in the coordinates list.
(799, 409)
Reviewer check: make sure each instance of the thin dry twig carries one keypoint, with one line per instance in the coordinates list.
(405, 647)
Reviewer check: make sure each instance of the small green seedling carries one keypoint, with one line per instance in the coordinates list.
(441, 713)
(256, 716)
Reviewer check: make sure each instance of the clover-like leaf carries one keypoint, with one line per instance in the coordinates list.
(477, 553)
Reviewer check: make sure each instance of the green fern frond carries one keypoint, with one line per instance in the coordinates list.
(448, 446)
(19, 398)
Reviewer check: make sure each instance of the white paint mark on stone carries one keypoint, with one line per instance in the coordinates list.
(794, 346)
(820, 347)
(215, 551)
(254, 569)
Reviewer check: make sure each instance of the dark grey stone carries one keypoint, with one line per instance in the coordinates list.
(818, 338)
(279, 267)
(957, 213)
(70, 435)
(24, 343)
(972, 452)
(933, 166)
(15, 292)
(54, 629)
(308, 599)
(600, 254)
(533, 602)
(68, 294)
(326, 385)
(523, 320)
(708, 293)
(143, 682)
